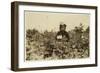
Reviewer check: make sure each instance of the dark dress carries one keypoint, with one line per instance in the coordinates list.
(62, 35)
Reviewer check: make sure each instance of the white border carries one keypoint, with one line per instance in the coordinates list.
(90, 60)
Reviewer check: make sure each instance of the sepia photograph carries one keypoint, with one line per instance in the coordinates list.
(55, 35)
(52, 36)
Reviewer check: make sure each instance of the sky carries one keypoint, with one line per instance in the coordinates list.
(51, 20)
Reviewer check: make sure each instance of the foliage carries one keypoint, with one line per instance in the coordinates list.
(43, 46)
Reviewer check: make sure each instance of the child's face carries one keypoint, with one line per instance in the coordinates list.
(62, 28)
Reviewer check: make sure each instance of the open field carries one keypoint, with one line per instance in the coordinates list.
(43, 46)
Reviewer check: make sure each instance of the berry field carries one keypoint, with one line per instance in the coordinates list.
(43, 46)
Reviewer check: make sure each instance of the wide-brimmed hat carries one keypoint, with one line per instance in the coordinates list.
(63, 25)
